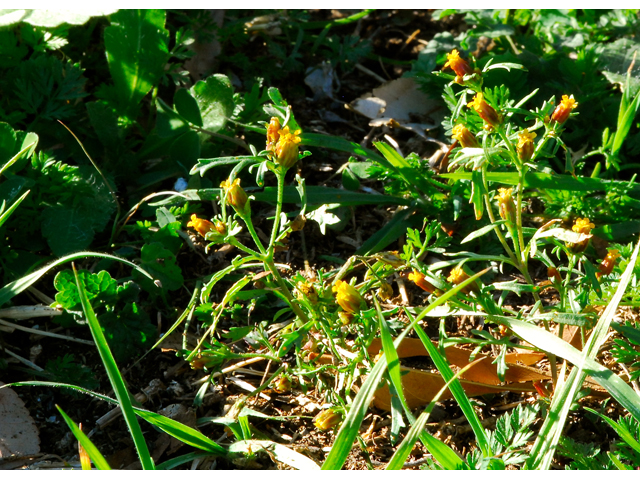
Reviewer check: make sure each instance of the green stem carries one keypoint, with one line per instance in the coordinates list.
(519, 213)
(280, 173)
(503, 241)
(234, 241)
(252, 231)
(285, 290)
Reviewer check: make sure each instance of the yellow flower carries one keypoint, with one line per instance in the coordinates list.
(607, 264)
(236, 196)
(419, 279)
(562, 111)
(583, 225)
(286, 150)
(458, 65)
(465, 137)
(486, 111)
(201, 225)
(347, 297)
(525, 144)
(327, 419)
(506, 205)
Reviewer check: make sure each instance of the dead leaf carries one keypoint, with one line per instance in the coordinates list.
(421, 387)
(18, 432)
(401, 101)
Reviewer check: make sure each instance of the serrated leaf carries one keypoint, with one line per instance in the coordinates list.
(137, 52)
(98, 286)
(214, 97)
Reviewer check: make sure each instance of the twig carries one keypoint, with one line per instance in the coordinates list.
(45, 333)
(24, 360)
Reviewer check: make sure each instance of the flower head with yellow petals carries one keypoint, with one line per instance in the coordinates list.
(562, 111)
(236, 196)
(458, 65)
(525, 145)
(201, 225)
(347, 297)
(486, 111)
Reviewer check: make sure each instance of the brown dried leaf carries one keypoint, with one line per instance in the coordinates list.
(18, 432)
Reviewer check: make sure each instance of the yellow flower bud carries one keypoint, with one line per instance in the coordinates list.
(464, 136)
(201, 225)
(236, 196)
(506, 205)
(458, 65)
(525, 145)
(327, 419)
(486, 111)
(562, 111)
(282, 384)
(419, 279)
(347, 297)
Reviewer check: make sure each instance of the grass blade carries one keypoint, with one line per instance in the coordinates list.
(12, 289)
(439, 451)
(457, 391)
(122, 394)
(98, 460)
(621, 430)
(182, 432)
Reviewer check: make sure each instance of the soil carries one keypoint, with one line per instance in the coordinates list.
(172, 380)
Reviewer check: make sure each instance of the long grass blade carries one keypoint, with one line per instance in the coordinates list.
(182, 432)
(96, 457)
(122, 394)
(10, 290)
(457, 391)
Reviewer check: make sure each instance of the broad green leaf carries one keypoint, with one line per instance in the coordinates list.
(161, 263)
(187, 106)
(214, 97)
(52, 18)
(137, 52)
(98, 460)
(168, 122)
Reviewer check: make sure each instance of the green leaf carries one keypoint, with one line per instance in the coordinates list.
(7, 213)
(341, 145)
(136, 44)
(98, 286)
(481, 231)
(187, 106)
(104, 120)
(51, 18)
(161, 264)
(168, 122)
(620, 429)
(214, 97)
(404, 168)
(66, 229)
